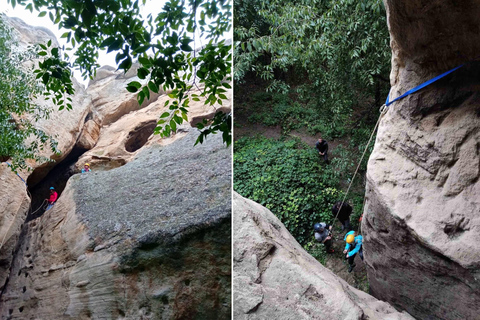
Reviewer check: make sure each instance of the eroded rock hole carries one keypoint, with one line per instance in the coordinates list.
(24, 289)
(20, 309)
(139, 136)
(57, 178)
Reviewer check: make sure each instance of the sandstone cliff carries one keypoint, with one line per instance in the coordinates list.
(145, 235)
(422, 219)
(274, 278)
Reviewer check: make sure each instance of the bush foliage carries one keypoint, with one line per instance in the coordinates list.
(288, 178)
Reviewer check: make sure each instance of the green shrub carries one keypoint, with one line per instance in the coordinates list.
(288, 178)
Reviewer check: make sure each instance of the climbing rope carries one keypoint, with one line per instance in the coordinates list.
(17, 174)
(42, 205)
(383, 111)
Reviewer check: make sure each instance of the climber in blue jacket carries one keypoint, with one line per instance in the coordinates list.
(353, 246)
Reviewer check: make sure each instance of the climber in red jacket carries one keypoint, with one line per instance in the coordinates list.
(53, 197)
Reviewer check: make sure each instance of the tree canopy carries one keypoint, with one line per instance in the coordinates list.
(19, 139)
(338, 48)
(164, 45)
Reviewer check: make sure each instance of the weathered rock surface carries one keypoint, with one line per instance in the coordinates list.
(14, 204)
(274, 278)
(148, 240)
(110, 99)
(421, 222)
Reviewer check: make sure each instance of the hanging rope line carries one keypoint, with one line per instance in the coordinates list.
(42, 205)
(17, 174)
(423, 85)
(383, 111)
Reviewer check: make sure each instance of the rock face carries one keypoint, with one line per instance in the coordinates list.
(421, 221)
(148, 240)
(274, 278)
(146, 235)
(14, 202)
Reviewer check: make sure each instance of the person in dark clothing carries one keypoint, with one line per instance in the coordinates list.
(344, 215)
(322, 234)
(322, 148)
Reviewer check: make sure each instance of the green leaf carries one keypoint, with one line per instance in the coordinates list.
(126, 64)
(153, 86)
(107, 42)
(173, 125)
(42, 14)
(142, 73)
(186, 48)
(165, 115)
(131, 88)
(135, 84)
(141, 49)
(117, 44)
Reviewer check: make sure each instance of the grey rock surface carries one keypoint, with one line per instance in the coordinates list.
(275, 278)
(148, 240)
(421, 218)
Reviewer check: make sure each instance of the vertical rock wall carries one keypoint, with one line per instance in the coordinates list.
(145, 235)
(148, 240)
(422, 215)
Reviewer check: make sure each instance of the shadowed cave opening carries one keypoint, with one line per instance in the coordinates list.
(139, 136)
(57, 178)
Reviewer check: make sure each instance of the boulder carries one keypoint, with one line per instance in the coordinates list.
(275, 278)
(421, 216)
(148, 240)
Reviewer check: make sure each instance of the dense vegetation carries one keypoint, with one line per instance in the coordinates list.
(19, 139)
(163, 45)
(287, 179)
(316, 67)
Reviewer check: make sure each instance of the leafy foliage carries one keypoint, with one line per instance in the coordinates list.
(335, 52)
(56, 76)
(287, 178)
(162, 45)
(19, 139)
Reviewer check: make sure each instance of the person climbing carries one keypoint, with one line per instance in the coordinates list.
(344, 215)
(322, 148)
(52, 199)
(353, 246)
(322, 234)
(86, 168)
